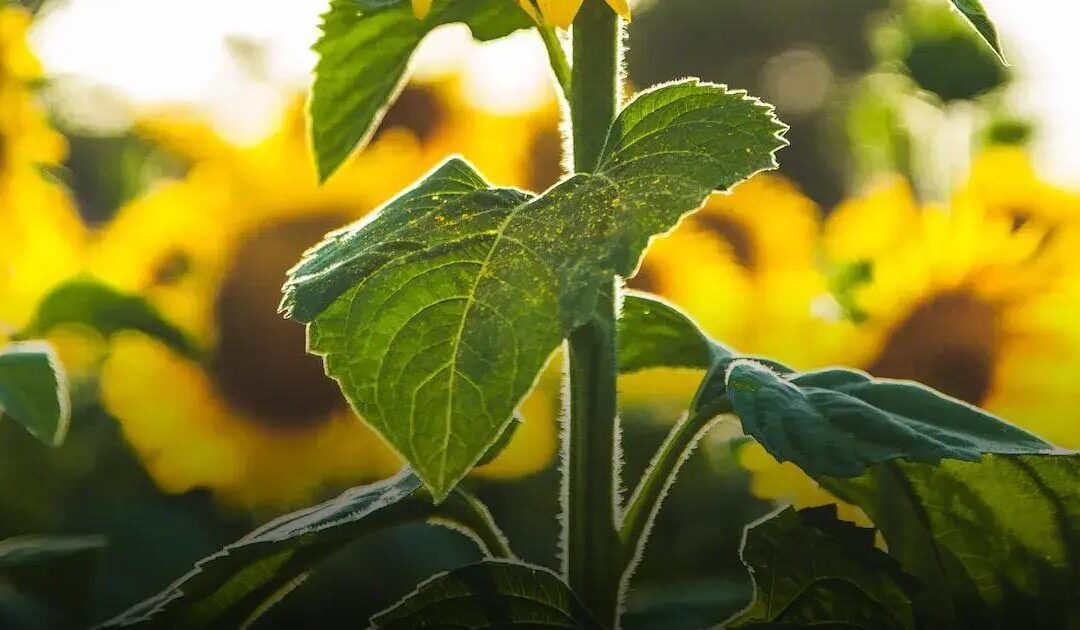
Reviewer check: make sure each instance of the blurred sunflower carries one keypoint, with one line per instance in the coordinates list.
(41, 236)
(976, 300)
(258, 421)
(744, 266)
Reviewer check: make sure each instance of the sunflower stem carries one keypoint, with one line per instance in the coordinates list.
(592, 556)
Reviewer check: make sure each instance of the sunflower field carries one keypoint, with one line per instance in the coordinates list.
(539, 313)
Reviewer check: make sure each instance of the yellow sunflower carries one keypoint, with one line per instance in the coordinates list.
(744, 267)
(559, 13)
(258, 421)
(976, 299)
(41, 236)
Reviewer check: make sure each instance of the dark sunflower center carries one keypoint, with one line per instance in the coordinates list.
(949, 343)
(419, 109)
(735, 235)
(261, 365)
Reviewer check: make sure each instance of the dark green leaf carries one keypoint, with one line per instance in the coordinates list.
(54, 571)
(436, 315)
(811, 569)
(364, 52)
(491, 594)
(106, 310)
(996, 543)
(33, 390)
(500, 445)
(653, 333)
(975, 13)
(230, 587)
(839, 422)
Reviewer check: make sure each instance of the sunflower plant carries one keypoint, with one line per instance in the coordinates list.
(436, 314)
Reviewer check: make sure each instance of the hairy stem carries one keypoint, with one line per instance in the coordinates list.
(655, 483)
(592, 553)
(470, 516)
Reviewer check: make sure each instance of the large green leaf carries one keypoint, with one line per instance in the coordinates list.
(811, 569)
(996, 543)
(491, 594)
(654, 333)
(364, 52)
(975, 13)
(436, 314)
(232, 586)
(90, 303)
(33, 390)
(839, 422)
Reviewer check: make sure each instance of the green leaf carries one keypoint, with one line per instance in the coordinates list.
(839, 422)
(364, 53)
(33, 390)
(230, 587)
(436, 314)
(490, 594)
(655, 333)
(811, 569)
(975, 13)
(106, 310)
(996, 543)
(56, 571)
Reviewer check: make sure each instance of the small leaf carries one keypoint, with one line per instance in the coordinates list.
(106, 310)
(33, 390)
(56, 571)
(996, 543)
(436, 314)
(654, 333)
(975, 13)
(811, 569)
(491, 594)
(230, 587)
(364, 52)
(840, 422)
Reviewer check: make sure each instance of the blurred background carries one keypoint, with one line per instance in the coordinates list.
(925, 224)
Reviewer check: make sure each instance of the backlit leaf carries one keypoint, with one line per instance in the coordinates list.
(436, 314)
(811, 569)
(230, 587)
(996, 543)
(33, 390)
(364, 53)
(975, 13)
(491, 594)
(839, 422)
(653, 333)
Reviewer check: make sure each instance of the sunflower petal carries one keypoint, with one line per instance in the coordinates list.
(421, 8)
(559, 13)
(620, 7)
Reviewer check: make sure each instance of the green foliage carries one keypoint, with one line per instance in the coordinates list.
(975, 13)
(839, 422)
(810, 568)
(436, 315)
(52, 571)
(996, 544)
(653, 333)
(89, 303)
(491, 594)
(364, 53)
(33, 391)
(235, 585)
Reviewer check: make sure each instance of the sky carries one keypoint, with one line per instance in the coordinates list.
(169, 53)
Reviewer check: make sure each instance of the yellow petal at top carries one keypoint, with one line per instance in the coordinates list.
(16, 59)
(421, 8)
(561, 13)
(621, 8)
